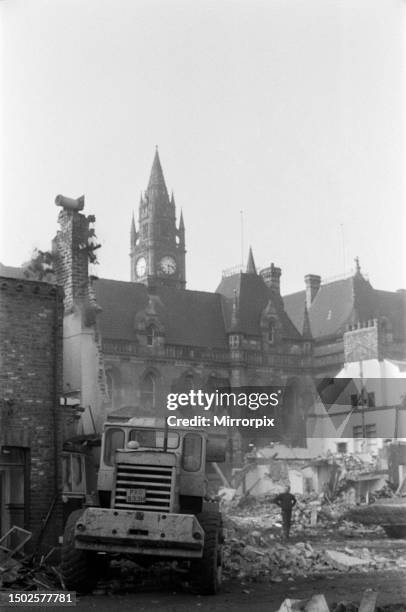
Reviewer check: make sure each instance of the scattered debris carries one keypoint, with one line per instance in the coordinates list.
(24, 575)
(344, 561)
(318, 603)
(254, 550)
(22, 572)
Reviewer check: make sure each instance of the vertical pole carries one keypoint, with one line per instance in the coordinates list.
(343, 245)
(363, 402)
(242, 237)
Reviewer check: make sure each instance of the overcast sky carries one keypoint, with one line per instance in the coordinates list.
(290, 110)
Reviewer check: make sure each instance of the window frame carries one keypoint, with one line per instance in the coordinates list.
(107, 434)
(185, 467)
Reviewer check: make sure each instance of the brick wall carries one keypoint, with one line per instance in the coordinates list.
(31, 315)
(71, 256)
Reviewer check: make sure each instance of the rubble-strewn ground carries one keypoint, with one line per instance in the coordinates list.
(259, 597)
(334, 557)
(255, 549)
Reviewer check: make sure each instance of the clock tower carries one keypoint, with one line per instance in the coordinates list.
(158, 245)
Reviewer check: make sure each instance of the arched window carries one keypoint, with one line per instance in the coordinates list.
(148, 392)
(271, 331)
(152, 335)
(110, 384)
(189, 381)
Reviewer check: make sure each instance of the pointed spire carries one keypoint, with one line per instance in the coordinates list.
(251, 269)
(357, 266)
(181, 222)
(156, 179)
(133, 230)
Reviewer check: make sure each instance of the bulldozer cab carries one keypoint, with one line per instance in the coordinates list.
(147, 442)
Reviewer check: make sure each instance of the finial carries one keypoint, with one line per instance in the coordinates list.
(357, 266)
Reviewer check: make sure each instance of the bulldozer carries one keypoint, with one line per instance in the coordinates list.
(153, 505)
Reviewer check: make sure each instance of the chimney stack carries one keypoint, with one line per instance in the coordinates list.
(312, 282)
(71, 250)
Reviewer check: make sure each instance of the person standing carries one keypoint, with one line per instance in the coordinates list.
(286, 501)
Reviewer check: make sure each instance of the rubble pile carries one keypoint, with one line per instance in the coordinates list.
(258, 555)
(318, 603)
(330, 518)
(254, 550)
(25, 575)
(275, 562)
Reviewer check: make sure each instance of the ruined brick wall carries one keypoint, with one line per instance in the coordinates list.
(71, 256)
(31, 316)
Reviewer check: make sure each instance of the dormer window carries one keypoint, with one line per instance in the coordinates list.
(152, 335)
(234, 341)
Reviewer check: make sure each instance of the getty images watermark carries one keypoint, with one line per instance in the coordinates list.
(240, 401)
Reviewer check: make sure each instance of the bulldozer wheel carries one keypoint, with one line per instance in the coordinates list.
(77, 566)
(205, 573)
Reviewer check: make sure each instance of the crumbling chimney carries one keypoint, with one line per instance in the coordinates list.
(272, 278)
(70, 248)
(312, 282)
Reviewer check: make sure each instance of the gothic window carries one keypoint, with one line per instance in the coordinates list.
(152, 335)
(271, 331)
(148, 392)
(234, 341)
(110, 383)
(189, 382)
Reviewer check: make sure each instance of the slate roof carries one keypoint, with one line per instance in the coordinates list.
(192, 318)
(253, 296)
(345, 301)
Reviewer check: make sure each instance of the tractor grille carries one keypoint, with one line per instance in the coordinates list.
(143, 487)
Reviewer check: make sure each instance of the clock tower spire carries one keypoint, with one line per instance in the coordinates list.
(158, 246)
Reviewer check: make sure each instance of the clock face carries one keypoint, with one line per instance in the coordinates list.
(167, 265)
(141, 266)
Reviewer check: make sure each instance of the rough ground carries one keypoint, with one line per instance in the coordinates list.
(165, 592)
(261, 597)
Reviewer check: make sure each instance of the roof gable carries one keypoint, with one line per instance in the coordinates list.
(192, 318)
(253, 297)
(346, 301)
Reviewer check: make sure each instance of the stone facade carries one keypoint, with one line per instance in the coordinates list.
(31, 419)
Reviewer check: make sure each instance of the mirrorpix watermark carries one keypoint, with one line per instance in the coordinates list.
(225, 408)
